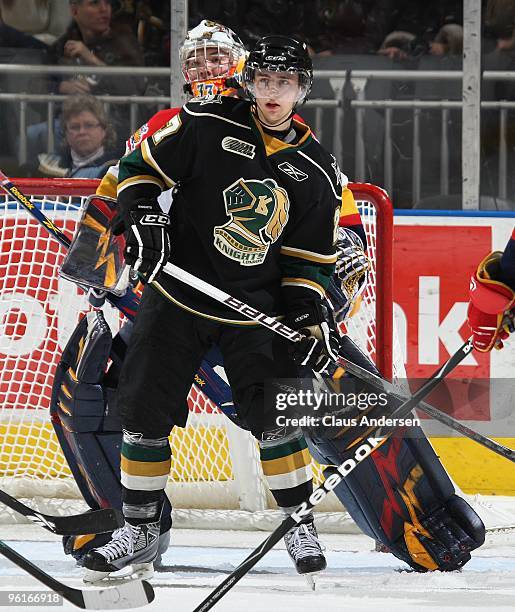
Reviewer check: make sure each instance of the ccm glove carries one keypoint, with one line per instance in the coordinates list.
(350, 276)
(490, 312)
(319, 349)
(147, 242)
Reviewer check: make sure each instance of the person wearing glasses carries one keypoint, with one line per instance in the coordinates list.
(88, 141)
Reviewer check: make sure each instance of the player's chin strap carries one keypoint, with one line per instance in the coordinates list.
(272, 125)
(280, 328)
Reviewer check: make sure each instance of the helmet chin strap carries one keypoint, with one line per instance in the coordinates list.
(272, 125)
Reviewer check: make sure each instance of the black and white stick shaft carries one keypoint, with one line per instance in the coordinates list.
(133, 594)
(283, 330)
(355, 455)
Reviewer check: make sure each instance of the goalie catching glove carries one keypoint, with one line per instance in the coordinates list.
(350, 276)
(147, 228)
(319, 349)
(491, 308)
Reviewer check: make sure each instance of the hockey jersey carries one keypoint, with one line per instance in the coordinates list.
(253, 215)
(349, 215)
(508, 262)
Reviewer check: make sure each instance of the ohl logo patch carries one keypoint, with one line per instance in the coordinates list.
(258, 211)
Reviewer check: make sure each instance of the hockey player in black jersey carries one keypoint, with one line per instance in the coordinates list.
(361, 488)
(262, 220)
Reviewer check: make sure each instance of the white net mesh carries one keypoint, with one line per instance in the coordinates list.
(38, 312)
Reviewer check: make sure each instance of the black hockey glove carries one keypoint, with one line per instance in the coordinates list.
(350, 274)
(147, 246)
(319, 349)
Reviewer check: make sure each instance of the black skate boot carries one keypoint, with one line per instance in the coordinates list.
(132, 545)
(305, 550)
(78, 546)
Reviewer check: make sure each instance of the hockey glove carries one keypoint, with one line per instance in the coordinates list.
(350, 276)
(319, 349)
(147, 247)
(490, 312)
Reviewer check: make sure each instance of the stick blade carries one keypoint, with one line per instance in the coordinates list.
(133, 594)
(97, 521)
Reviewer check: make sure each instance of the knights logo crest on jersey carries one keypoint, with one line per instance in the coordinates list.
(258, 212)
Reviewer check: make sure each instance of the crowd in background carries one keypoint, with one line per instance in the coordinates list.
(409, 34)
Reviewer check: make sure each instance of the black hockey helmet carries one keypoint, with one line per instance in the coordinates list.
(280, 54)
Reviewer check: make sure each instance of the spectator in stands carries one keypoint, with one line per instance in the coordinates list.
(88, 148)
(41, 21)
(92, 39)
(499, 21)
(350, 26)
(448, 41)
(419, 18)
(149, 20)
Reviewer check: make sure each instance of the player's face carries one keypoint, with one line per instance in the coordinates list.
(92, 15)
(276, 94)
(84, 133)
(208, 63)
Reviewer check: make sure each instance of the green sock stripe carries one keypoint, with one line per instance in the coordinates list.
(134, 452)
(283, 450)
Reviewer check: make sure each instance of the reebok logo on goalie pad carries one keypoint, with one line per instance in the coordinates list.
(294, 173)
(240, 147)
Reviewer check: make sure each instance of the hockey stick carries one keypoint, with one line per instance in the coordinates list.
(129, 312)
(127, 304)
(355, 454)
(133, 594)
(96, 521)
(278, 327)
(438, 415)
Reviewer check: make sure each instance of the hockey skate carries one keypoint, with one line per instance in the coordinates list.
(78, 546)
(305, 551)
(132, 547)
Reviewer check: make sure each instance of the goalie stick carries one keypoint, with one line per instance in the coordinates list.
(278, 327)
(96, 521)
(129, 312)
(133, 594)
(384, 385)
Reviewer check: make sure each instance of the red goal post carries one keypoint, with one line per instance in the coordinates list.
(38, 311)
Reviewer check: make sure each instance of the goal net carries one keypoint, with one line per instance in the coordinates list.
(214, 464)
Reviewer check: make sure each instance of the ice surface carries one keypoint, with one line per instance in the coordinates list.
(357, 579)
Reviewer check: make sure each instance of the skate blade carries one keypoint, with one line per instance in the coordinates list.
(311, 580)
(136, 571)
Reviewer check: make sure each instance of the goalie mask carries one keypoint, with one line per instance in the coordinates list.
(212, 58)
(279, 54)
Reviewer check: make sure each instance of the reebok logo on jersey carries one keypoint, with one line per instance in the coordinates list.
(293, 172)
(240, 147)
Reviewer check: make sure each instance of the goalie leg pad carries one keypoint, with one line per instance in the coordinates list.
(85, 417)
(402, 496)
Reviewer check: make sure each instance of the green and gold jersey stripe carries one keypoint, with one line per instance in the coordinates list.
(309, 255)
(283, 450)
(286, 464)
(144, 453)
(145, 468)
